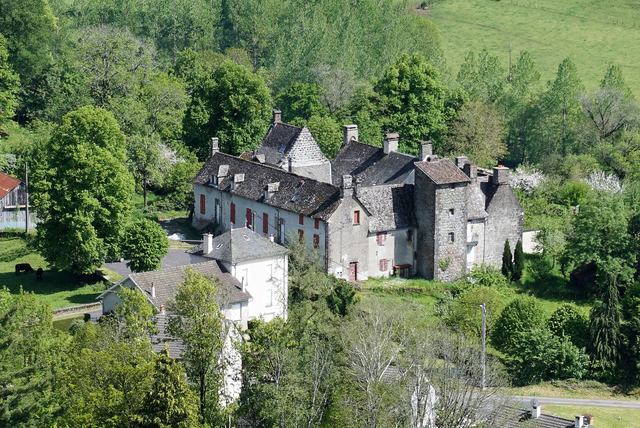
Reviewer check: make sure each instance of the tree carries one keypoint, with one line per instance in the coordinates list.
(478, 132)
(519, 317)
(538, 356)
(300, 101)
(518, 262)
(411, 100)
(31, 353)
(9, 84)
(483, 79)
(146, 162)
(231, 103)
(197, 321)
(178, 184)
(132, 319)
(568, 321)
(605, 323)
(82, 191)
(464, 314)
(144, 245)
(170, 402)
(507, 260)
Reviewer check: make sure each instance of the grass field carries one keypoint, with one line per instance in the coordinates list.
(593, 33)
(59, 289)
(602, 417)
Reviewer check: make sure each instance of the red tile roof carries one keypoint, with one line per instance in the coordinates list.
(7, 184)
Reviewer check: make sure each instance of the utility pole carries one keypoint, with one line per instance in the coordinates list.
(483, 356)
(26, 198)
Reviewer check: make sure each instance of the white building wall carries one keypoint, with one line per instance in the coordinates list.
(475, 233)
(396, 250)
(280, 222)
(267, 282)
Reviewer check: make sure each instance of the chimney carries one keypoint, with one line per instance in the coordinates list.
(426, 149)
(215, 145)
(207, 243)
(579, 421)
(391, 142)
(153, 290)
(162, 311)
(347, 186)
(289, 164)
(536, 409)
(277, 116)
(461, 161)
(350, 133)
(471, 170)
(500, 175)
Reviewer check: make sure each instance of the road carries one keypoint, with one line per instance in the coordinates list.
(584, 402)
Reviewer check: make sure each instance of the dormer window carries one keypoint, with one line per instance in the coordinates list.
(213, 180)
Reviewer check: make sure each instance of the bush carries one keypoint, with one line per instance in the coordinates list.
(538, 355)
(568, 321)
(464, 314)
(487, 276)
(520, 316)
(145, 244)
(518, 262)
(507, 260)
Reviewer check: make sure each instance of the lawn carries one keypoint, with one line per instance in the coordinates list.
(58, 289)
(603, 417)
(593, 33)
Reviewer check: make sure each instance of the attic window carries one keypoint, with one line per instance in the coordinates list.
(452, 237)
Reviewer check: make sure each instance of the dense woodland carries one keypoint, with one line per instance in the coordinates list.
(113, 100)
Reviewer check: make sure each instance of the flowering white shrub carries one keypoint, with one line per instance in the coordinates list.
(526, 179)
(602, 181)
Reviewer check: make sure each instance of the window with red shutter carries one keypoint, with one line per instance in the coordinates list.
(316, 241)
(316, 224)
(249, 216)
(203, 204)
(381, 237)
(301, 218)
(232, 213)
(265, 223)
(356, 217)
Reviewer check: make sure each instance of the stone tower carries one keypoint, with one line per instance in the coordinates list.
(441, 213)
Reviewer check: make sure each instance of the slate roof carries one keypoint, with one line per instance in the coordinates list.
(371, 166)
(166, 282)
(7, 184)
(501, 195)
(242, 244)
(163, 340)
(522, 419)
(390, 207)
(442, 171)
(295, 193)
(278, 141)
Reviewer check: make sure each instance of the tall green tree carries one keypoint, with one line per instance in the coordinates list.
(482, 77)
(9, 84)
(146, 162)
(31, 355)
(300, 101)
(507, 260)
(229, 102)
(82, 191)
(144, 245)
(411, 100)
(518, 262)
(170, 402)
(605, 322)
(197, 321)
(518, 318)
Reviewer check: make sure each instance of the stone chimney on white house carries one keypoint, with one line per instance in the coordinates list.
(347, 186)
(391, 142)
(350, 133)
(277, 116)
(426, 150)
(215, 145)
(207, 243)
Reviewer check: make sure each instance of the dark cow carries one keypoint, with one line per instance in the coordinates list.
(23, 267)
(39, 274)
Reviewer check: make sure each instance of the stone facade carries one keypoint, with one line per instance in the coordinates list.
(380, 212)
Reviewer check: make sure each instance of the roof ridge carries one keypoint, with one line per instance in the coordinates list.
(133, 275)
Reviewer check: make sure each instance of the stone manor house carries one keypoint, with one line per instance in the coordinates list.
(370, 212)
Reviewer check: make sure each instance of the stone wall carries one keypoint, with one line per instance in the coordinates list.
(308, 160)
(450, 232)
(505, 221)
(424, 203)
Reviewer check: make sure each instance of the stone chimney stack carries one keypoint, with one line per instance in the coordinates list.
(579, 421)
(277, 116)
(426, 150)
(391, 142)
(461, 161)
(350, 133)
(347, 186)
(162, 311)
(536, 409)
(215, 145)
(471, 170)
(153, 291)
(500, 175)
(207, 243)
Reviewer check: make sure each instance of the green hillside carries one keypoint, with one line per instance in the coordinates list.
(593, 33)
